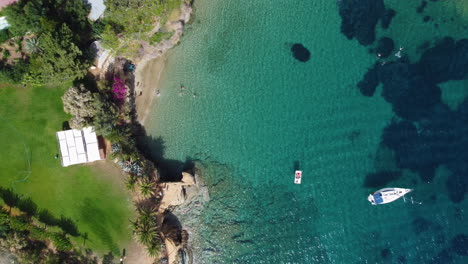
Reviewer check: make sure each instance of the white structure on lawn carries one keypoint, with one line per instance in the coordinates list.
(78, 146)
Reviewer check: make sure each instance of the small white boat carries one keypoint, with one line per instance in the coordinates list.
(298, 177)
(387, 195)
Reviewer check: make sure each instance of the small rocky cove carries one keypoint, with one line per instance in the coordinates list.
(180, 208)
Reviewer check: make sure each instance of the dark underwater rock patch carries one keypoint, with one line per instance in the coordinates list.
(420, 224)
(426, 19)
(359, 18)
(447, 60)
(443, 257)
(386, 253)
(387, 17)
(385, 47)
(421, 7)
(411, 96)
(369, 83)
(300, 52)
(460, 244)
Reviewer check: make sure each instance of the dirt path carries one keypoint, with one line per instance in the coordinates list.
(147, 78)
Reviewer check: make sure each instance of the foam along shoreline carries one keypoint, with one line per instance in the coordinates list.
(147, 81)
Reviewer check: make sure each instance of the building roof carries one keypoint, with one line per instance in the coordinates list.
(78, 146)
(97, 9)
(3, 23)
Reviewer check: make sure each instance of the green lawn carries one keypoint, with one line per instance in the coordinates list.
(29, 118)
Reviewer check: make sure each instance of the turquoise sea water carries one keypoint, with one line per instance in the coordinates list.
(250, 113)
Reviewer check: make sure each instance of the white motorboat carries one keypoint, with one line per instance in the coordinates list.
(387, 195)
(297, 177)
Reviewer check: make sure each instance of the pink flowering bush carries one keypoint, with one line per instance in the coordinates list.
(119, 89)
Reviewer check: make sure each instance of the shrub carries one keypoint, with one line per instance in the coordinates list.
(6, 54)
(38, 233)
(79, 102)
(19, 224)
(118, 88)
(61, 242)
(159, 36)
(4, 35)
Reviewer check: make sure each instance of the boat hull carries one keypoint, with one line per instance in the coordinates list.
(298, 177)
(387, 195)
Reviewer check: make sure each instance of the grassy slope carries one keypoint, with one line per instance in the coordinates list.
(29, 118)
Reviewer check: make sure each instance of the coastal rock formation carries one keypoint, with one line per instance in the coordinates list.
(300, 52)
(182, 200)
(176, 193)
(149, 52)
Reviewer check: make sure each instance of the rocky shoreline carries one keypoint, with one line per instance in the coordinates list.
(181, 200)
(177, 199)
(182, 204)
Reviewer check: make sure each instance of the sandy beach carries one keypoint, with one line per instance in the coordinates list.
(147, 80)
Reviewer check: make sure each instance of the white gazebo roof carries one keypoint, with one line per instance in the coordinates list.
(97, 9)
(78, 146)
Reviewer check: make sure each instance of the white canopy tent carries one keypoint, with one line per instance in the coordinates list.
(78, 146)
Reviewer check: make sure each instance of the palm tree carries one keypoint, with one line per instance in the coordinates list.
(146, 188)
(154, 250)
(130, 184)
(147, 234)
(32, 45)
(146, 215)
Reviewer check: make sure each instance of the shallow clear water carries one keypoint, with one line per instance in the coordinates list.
(250, 113)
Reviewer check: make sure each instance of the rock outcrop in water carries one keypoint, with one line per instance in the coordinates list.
(182, 199)
(300, 52)
(360, 17)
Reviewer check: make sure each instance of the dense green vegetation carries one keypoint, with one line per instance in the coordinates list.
(67, 206)
(111, 116)
(29, 118)
(62, 34)
(128, 22)
(28, 242)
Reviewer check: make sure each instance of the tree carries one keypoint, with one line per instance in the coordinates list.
(130, 183)
(79, 102)
(146, 187)
(106, 118)
(32, 45)
(60, 58)
(29, 15)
